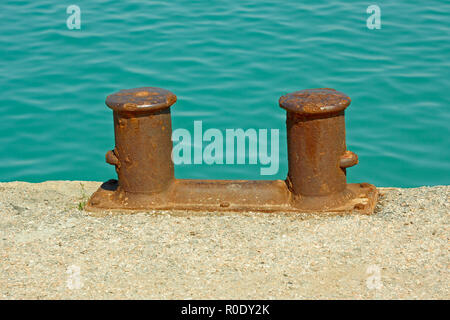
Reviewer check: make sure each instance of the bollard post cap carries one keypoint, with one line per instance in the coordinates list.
(315, 101)
(141, 99)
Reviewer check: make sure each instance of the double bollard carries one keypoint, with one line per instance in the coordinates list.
(317, 155)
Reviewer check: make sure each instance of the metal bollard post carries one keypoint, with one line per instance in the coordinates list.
(317, 152)
(317, 157)
(143, 129)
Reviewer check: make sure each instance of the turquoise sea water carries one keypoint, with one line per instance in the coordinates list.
(228, 62)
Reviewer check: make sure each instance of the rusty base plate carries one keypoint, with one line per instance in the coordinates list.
(232, 196)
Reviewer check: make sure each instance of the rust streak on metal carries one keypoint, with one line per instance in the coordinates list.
(317, 155)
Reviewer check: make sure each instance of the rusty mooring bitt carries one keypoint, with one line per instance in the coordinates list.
(317, 155)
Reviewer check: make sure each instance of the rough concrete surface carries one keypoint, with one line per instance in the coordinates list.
(50, 249)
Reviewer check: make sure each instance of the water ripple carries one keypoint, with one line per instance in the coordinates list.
(228, 63)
